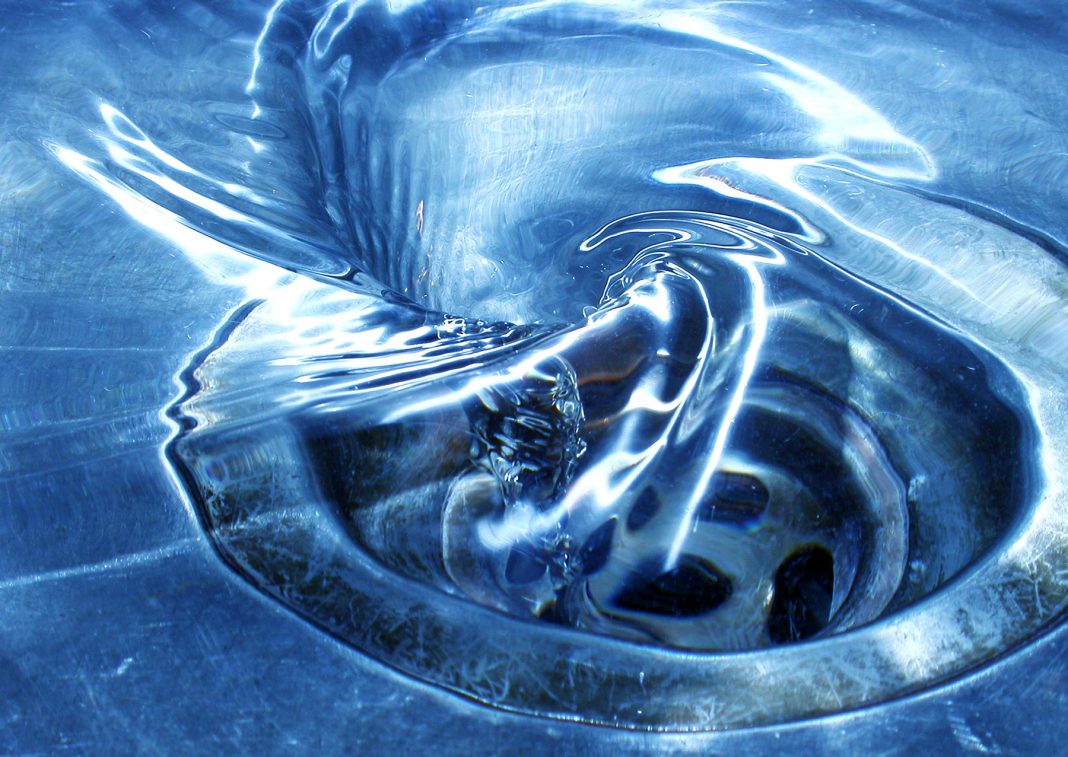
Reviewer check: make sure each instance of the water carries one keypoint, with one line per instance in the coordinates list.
(571, 350)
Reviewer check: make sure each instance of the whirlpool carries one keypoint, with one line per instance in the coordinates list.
(550, 377)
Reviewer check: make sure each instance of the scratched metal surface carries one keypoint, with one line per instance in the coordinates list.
(119, 629)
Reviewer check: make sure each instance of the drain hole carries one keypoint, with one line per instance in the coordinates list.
(643, 510)
(595, 551)
(801, 605)
(693, 587)
(736, 498)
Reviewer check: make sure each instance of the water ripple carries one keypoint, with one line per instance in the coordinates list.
(586, 347)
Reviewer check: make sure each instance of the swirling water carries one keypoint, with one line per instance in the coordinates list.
(578, 339)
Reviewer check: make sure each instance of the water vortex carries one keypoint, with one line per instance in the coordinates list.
(592, 405)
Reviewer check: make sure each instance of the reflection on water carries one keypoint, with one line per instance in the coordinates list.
(580, 318)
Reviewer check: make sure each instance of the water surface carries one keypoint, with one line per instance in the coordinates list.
(542, 346)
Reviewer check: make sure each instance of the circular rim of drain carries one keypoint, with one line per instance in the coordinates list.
(1000, 603)
(997, 605)
(558, 673)
(549, 671)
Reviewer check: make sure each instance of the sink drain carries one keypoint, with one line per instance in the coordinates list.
(728, 432)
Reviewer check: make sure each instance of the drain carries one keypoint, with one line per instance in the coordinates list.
(802, 595)
(806, 496)
(841, 503)
(769, 456)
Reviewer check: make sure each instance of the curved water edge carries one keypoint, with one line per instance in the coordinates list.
(701, 397)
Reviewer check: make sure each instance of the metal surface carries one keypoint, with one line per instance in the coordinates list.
(120, 630)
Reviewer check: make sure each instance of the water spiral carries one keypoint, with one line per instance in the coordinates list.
(584, 349)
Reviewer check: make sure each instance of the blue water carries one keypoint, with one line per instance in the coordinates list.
(557, 353)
